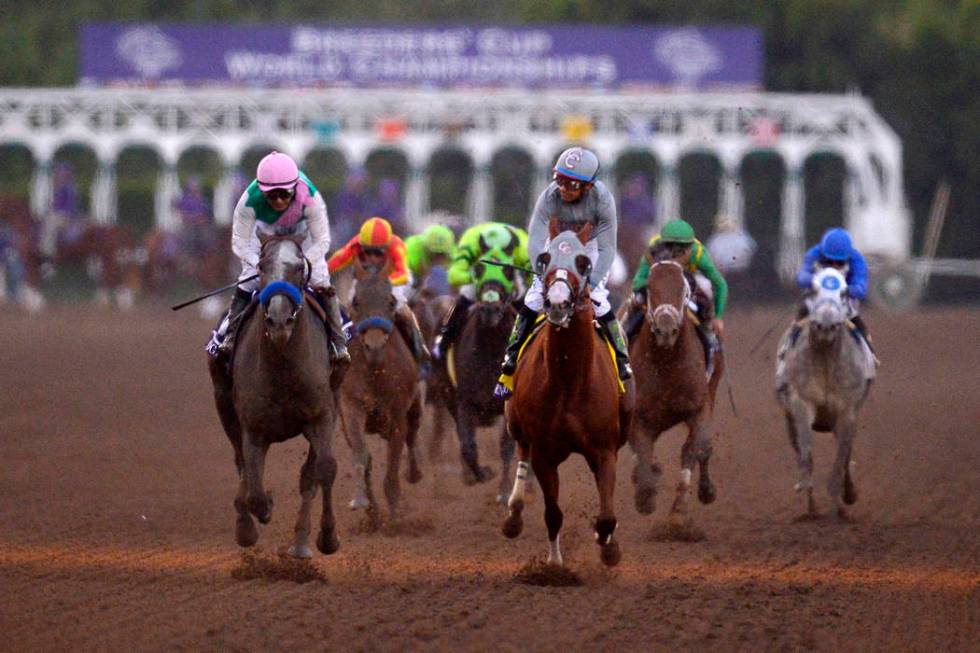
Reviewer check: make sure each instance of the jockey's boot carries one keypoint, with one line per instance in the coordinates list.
(862, 328)
(223, 337)
(711, 344)
(610, 325)
(452, 328)
(408, 326)
(327, 298)
(523, 327)
(633, 321)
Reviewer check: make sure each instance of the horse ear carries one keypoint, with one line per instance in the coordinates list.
(553, 227)
(585, 232)
(263, 237)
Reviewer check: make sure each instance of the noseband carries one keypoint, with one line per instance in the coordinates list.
(283, 287)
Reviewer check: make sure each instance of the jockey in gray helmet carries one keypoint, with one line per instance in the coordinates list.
(574, 197)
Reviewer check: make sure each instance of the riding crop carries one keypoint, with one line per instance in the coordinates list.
(177, 307)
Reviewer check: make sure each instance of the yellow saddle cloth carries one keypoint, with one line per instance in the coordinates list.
(508, 379)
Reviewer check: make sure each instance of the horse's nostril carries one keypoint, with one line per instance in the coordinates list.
(268, 321)
(290, 319)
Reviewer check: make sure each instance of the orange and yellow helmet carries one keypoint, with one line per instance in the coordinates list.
(375, 232)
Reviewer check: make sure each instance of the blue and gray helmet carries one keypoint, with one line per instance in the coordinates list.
(578, 163)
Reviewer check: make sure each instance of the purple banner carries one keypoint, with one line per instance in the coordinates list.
(552, 56)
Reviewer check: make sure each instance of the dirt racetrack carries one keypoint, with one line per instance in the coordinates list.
(118, 527)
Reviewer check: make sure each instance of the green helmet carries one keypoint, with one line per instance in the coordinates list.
(497, 237)
(438, 239)
(677, 231)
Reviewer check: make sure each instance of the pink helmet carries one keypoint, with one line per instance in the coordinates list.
(277, 170)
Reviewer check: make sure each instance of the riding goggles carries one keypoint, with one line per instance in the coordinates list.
(280, 194)
(568, 183)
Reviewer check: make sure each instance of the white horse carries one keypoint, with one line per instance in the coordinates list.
(822, 379)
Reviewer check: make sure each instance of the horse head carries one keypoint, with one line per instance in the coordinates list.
(373, 311)
(284, 270)
(494, 288)
(827, 306)
(565, 269)
(668, 292)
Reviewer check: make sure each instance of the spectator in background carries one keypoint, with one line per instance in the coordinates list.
(64, 226)
(637, 216)
(388, 202)
(350, 205)
(731, 248)
(195, 217)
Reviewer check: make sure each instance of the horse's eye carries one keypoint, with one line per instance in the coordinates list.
(478, 270)
(583, 265)
(543, 260)
(509, 273)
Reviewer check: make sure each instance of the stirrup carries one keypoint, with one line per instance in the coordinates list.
(213, 348)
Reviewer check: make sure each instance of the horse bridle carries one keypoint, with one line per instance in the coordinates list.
(669, 309)
(282, 287)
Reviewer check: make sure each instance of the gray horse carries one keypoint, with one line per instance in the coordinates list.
(822, 378)
(280, 387)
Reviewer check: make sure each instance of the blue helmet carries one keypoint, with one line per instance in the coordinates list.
(836, 245)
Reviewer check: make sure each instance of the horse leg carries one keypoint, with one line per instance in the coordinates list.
(258, 501)
(646, 473)
(507, 446)
(412, 440)
(839, 485)
(604, 471)
(353, 421)
(320, 435)
(798, 420)
(514, 523)
(393, 489)
(300, 547)
(702, 451)
(547, 474)
(473, 472)
(678, 511)
(245, 532)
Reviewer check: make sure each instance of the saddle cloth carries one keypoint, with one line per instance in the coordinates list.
(508, 380)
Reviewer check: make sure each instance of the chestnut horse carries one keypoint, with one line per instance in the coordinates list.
(381, 392)
(672, 387)
(567, 397)
(279, 387)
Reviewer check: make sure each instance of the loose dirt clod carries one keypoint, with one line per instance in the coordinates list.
(684, 532)
(538, 572)
(256, 564)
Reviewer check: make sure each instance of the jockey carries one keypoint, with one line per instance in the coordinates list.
(434, 246)
(837, 251)
(678, 241)
(281, 200)
(574, 198)
(376, 244)
(476, 242)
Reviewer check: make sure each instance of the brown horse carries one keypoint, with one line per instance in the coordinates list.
(430, 311)
(381, 392)
(670, 380)
(567, 398)
(279, 387)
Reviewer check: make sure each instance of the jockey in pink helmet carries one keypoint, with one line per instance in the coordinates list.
(281, 200)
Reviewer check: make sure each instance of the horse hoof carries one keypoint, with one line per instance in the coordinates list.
(358, 502)
(645, 500)
(706, 492)
(303, 552)
(414, 476)
(843, 516)
(502, 498)
(327, 542)
(245, 532)
(610, 553)
(261, 507)
(512, 527)
(850, 492)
